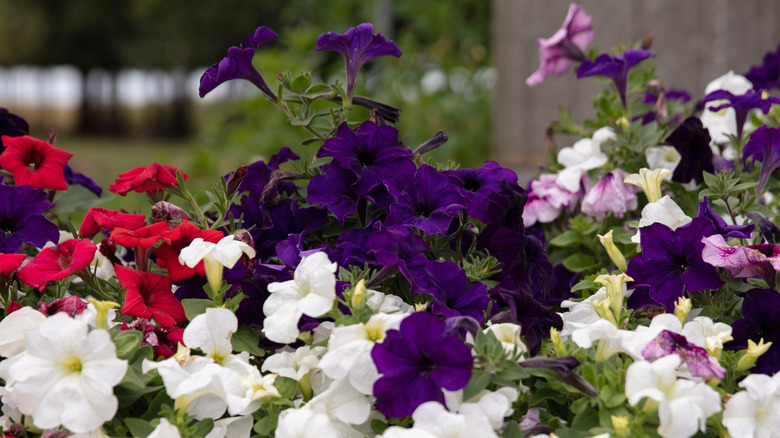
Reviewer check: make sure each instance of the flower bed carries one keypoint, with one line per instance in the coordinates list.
(355, 288)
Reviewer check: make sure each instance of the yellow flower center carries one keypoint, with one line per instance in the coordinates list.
(72, 364)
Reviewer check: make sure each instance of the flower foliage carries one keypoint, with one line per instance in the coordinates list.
(352, 286)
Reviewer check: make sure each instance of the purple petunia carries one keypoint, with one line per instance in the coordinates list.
(764, 147)
(238, 65)
(358, 45)
(614, 67)
(671, 263)
(416, 362)
(453, 294)
(721, 227)
(559, 52)
(766, 75)
(22, 220)
(760, 320)
(742, 104)
(427, 201)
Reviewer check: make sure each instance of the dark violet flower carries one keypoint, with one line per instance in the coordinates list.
(614, 67)
(373, 153)
(692, 140)
(764, 147)
(79, 179)
(398, 246)
(238, 65)
(12, 126)
(22, 220)
(559, 52)
(671, 262)
(427, 201)
(769, 231)
(564, 367)
(766, 75)
(738, 231)
(437, 140)
(518, 305)
(482, 181)
(760, 320)
(751, 261)
(358, 45)
(696, 358)
(742, 104)
(34, 162)
(503, 208)
(453, 294)
(333, 190)
(58, 262)
(416, 362)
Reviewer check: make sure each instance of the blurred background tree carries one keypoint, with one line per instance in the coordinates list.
(443, 81)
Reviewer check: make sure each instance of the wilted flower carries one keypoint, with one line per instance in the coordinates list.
(609, 195)
(559, 52)
(764, 147)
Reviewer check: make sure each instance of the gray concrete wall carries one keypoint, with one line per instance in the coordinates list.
(695, 42)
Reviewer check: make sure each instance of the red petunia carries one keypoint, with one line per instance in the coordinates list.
(58, 262)
(150, 296)
(144, 237)
(142, 240)
(71, 305)
(34, 162)
(99, 218)
(177, 239)
(145, 179)
(10, 263)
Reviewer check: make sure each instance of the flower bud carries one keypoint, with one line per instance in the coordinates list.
(620, 423)
(560, 348)
(614, 253)
(359, 295)
(614, 285)
(753, 352)
(681, 309)
(649, 181)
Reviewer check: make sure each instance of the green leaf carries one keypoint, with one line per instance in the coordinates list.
(512, 430)
(127, 342)
(301, 83)
(246, 340)
(201, 428)
(583, 285)
(286, 387)
(194, 307)
(568, 238)
(139, 428)
(266, 425)
(709, 179)
(579, 263)
(479, 381)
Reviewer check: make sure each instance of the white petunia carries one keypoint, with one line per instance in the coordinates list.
(349, 351)
(66, 375)
(431, 419)
(755, 412)
(663, 157)
(509, 336)
(664, 211)
(211, 332)
(305, 423)
(683, 405)
(232, 427)
(215, 256)
(583, 155)
(493, 405)
(581, 313)
(311, 293)
(165, 430)
(14, 327)
(294, 365)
